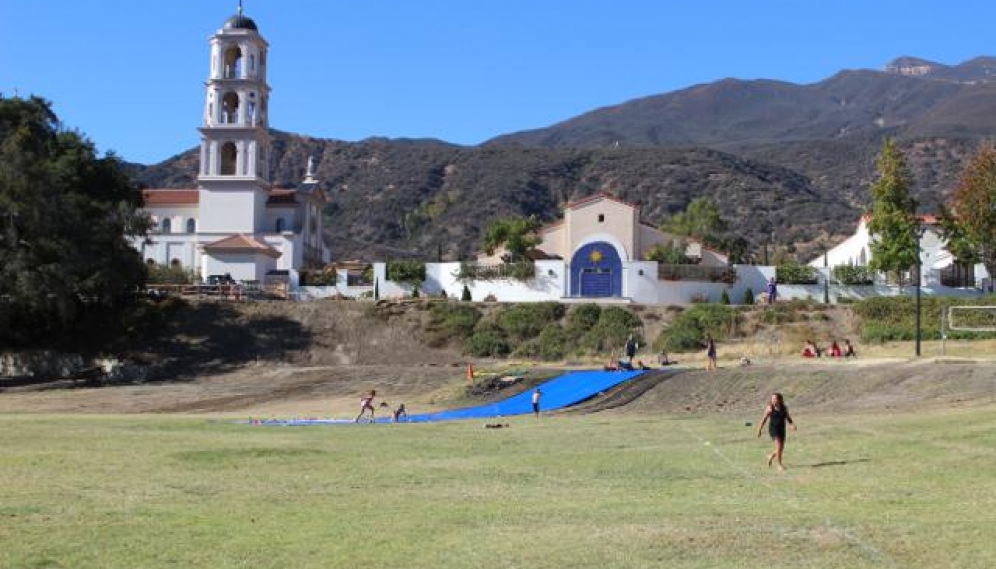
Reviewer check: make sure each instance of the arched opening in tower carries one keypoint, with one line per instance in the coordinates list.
(229, 158)
(230, 108)
(233, 63)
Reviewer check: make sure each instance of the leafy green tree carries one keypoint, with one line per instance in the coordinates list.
(517, 235)
(67, 271)
(970, 228)
(701, 220)
(893, 218)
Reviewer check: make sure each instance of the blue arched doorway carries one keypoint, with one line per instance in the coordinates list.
(596, 271)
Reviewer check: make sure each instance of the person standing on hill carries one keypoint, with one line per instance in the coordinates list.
(776, 415)
(710, 346)
(631, 347)
(537, 395)
(772, 290)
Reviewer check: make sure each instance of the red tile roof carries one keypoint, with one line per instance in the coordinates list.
(240, 243)
(163, 196)
(596, 197)
(282, 198)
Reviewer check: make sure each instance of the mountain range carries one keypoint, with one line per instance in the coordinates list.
(789, 164)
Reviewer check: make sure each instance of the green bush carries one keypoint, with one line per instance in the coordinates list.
(449, 322)
(689, 328)
(526, 320)
(748, 297)
(851, 275)
(523, 271)
(406, 271)
(553, 343)
(725, 298)
(894, 318)
(487, 344)
(612, 329)
(670, 253)
(163, 274)
(465, 295)
(794, 273)
(583, 318)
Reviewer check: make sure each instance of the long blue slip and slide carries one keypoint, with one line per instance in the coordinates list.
(562, 391)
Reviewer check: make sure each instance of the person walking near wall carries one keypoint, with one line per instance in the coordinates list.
(772, 291)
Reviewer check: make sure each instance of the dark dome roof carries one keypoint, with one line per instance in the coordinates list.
(240, 22)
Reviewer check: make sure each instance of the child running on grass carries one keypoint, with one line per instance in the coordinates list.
(366, 402)
(776, 414)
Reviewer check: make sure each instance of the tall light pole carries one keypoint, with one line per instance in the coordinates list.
(826, 277)
(917, 234)
(918, 271)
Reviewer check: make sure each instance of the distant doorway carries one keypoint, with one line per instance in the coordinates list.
(596, 271)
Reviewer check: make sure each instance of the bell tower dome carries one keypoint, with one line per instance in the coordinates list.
(235, 146)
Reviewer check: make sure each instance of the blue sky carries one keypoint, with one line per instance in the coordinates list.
(130, 73)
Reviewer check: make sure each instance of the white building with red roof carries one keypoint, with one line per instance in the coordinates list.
(235, 222)
(939, 267)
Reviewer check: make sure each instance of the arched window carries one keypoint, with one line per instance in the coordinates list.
(280, 225)
(229, 158)
(167, 225)
(191, 225)
(230, 108)
(233, 63)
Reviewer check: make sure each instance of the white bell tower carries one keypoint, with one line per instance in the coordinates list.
(235, 147)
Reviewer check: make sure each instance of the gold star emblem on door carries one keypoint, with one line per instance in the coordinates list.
(596, 256)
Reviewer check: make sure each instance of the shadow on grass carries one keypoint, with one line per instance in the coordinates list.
(214, 337)
(836, 463)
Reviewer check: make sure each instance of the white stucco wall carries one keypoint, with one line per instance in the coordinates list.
(242, 267)
(178, 216)
(164, 248)
(231, 211)
(548, 285)
(290, 215)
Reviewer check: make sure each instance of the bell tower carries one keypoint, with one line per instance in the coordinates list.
(235, 148)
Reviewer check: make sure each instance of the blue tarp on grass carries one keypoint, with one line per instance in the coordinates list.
(559, 392)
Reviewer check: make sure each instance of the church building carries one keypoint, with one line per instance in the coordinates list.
(235, 221)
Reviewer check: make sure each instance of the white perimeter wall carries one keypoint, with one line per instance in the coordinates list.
(551, 285)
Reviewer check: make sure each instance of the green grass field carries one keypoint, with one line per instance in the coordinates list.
(900, 490)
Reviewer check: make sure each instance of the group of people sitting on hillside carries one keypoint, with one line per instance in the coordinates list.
(811, 350)
(629, 365)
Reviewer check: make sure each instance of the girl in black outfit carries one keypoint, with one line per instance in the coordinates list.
(776, 414)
